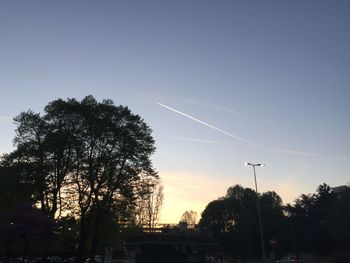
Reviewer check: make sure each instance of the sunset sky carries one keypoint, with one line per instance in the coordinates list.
(219, 82)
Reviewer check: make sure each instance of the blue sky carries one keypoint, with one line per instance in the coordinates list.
(274, 73)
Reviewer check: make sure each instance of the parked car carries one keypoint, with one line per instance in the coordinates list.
(289, 259)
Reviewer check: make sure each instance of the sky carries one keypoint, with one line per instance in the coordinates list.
(220, 83)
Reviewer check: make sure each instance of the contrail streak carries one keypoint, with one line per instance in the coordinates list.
(213, 127)
(313, 154)
(302, 153)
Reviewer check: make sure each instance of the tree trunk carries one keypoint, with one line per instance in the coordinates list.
(82, 239)
(94, 239)
(54, 204)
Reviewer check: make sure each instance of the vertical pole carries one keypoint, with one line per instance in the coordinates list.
(259, 216)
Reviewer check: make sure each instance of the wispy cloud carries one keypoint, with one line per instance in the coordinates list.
(250, 143)
(212, 126)
(313, 154)
(204, 103)
(214, 106)
(197, 140)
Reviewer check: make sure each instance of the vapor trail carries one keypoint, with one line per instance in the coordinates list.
(313, 154)
(296, 152)
(213, 127)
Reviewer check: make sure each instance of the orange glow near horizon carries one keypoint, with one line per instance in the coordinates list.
(185, 191)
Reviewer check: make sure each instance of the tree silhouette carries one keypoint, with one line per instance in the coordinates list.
(233, 220)
(308, 218)
(149, 201)
(190, 217)
(14, 188)
(85, 154)
(338, 218)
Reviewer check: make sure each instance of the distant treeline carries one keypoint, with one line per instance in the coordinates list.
(317, 222)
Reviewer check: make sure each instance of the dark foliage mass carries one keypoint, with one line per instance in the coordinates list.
(313, 223)
(83, 159)
(24, 228)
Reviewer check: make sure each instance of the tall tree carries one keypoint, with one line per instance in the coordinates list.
(190, 217)
(338, 218)
(233, 220)
(308, 220)
(44, 147)
(89, 152)
(149, 201)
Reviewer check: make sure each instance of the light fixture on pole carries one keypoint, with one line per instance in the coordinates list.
(258, 207)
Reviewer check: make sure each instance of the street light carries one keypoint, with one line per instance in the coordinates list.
(258, 206)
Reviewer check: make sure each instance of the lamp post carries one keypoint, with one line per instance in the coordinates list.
(258, 207)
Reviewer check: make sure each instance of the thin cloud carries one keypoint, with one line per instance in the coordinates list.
(229, 110)
(250, 143)
(212, 127)
(194, 140)
(215, 106)
(303, 153)
(208, 104)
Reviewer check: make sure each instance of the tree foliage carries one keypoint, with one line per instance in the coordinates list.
(315, 222)
(338, 218)
(83, 157)
(190, 217)
(233, 220)
(149, 201)
(14, 188)
(309, 222)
